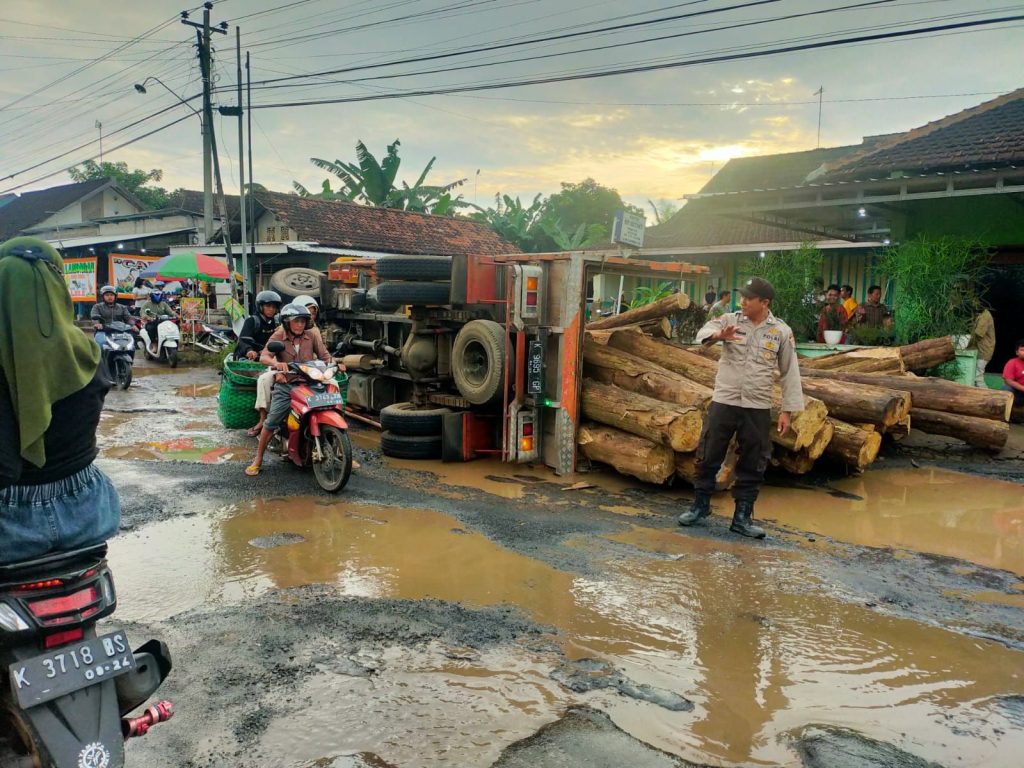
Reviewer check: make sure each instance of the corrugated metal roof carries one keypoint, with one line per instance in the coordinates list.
(83, 242)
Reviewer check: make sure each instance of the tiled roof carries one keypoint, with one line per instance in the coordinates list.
(986, 136)
(772, 171)
(349, 225)
(30, 208)
(191, 200)
(694, 226)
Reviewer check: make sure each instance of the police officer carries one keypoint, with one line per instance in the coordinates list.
(754, 344)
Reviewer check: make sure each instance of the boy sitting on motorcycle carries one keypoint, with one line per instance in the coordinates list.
(301, 346)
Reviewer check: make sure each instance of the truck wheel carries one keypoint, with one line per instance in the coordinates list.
(478, 361)
(406, 419)
(410, 447)
(296, 281)
(414, 268)
(413, 293)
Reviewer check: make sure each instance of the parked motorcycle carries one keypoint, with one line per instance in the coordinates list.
(69, 690)
(315, 432)
(168, 338)
(118, 346)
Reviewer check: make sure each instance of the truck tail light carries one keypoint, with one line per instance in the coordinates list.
(532, 283)
(526, 444)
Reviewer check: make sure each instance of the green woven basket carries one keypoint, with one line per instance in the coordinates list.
(342, 380)
(243, 373)
(237, 406)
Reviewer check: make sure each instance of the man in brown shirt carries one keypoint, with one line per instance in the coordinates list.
(300, 346)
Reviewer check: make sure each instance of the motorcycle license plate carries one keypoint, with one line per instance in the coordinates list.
(70, 668)
(324, 399)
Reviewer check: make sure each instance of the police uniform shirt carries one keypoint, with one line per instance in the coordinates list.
(747, 369)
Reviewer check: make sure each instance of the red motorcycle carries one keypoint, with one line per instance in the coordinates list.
(315, 432)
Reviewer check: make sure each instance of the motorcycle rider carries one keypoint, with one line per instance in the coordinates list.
(301, 345)
(108, 311)
(253, 338)
(155, 308)
(314, 309)
(52, 387)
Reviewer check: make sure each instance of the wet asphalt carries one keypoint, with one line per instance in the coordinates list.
(353, 666)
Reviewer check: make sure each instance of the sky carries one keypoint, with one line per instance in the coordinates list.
(658, 134)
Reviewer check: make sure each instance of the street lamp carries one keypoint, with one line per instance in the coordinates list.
(141, 88)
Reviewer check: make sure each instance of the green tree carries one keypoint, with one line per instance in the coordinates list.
(586, 203)
(372, 182)
(517, 223)
(796, 276)
(131, 181)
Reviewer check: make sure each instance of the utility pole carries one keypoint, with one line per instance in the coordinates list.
(203, 34)
(99, 127)
(241, 172)
(820, 93)
(248, 133)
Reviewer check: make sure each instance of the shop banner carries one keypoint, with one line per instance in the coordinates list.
(125, 269)
(193, 308)
(80, 275)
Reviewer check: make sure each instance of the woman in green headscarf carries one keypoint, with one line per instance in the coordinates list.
(52, 387)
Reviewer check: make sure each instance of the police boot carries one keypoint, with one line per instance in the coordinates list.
(701, 508)
(741, 521)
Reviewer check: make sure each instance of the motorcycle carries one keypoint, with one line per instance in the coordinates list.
(70, 690)
(315, 432)
(168, 338)
(211, 338)
(118, 346)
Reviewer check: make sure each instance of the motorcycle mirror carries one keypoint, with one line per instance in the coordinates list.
(277, 347)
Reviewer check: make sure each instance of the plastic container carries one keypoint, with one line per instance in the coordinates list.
(832, 338)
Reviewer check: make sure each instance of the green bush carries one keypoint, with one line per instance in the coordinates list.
(796, 276)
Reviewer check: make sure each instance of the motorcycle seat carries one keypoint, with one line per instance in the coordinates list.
(49, 564)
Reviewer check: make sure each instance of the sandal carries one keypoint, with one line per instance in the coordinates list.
(253, 469)
(355, 465)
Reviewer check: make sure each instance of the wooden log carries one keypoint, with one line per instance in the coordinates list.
(676, 426)
(990, 434)
(899, 431)
(866, 360)
(613, 366)
(854, 446)
(685, 362)
(660, 328)
(936, 394)
(626, 453)
(928, 353)
(801, 462)
(686, 468)
(816, 447)
(876, 405)
(653, 311)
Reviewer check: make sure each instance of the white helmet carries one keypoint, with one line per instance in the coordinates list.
(305, 301)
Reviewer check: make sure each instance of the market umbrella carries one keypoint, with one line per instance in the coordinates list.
(187, 266)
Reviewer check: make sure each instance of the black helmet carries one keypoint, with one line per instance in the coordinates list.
(294, 312)
(108, 289)
(267, 297)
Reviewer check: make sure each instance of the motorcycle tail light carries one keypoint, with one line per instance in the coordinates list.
(58, 639)
(10, 620)
(48, 584)
(53, 606)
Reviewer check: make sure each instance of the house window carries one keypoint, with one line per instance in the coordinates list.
(284, 233)
(271, 235)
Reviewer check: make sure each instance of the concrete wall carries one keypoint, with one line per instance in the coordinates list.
(270, 229)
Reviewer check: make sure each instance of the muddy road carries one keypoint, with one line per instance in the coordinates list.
(482, 614)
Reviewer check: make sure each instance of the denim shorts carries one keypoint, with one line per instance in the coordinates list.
(78, 511)
(280, 405)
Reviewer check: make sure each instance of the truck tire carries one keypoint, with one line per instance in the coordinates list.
(408, 420)
(414, 267)
(413, 293)
(296, 281)
(374, 304)
(478, 361)
(410, 447)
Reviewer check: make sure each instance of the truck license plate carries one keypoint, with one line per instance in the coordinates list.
(324, 399)
(71, 668)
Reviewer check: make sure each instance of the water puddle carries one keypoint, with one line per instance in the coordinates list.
(190, 449)
(926, 510)
(197, 390)
(744, 632)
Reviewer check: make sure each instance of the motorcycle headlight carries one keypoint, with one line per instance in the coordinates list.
(314, 373)
(329, 373)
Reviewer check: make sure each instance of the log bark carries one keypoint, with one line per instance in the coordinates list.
(937, 394)
(990, 434)
(876, 405)
(676, 426)
(899, 431)
(686, 468)
(800, 462)
(613, 366)
(656, 328)
(703, 370)
(867, 360)
(658, 309)
(854, 446)
(626, 453)
(928, 353)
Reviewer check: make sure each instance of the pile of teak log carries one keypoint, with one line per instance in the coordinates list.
(644, 399)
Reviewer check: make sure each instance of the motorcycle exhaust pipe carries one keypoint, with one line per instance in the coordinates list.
(158, 713)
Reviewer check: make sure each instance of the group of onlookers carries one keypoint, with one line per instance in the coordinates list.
(869, 320)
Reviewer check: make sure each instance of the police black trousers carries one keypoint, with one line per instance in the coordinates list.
(752, 428)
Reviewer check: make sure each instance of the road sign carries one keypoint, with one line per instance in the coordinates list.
(628, 229)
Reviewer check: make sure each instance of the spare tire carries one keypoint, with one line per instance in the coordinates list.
(296, 281)
(399, 293)
(375, 304)
(414, 267)
(410, 447)
(478, 361)
(407, 419)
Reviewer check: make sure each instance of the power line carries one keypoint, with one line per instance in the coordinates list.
(649, 67)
